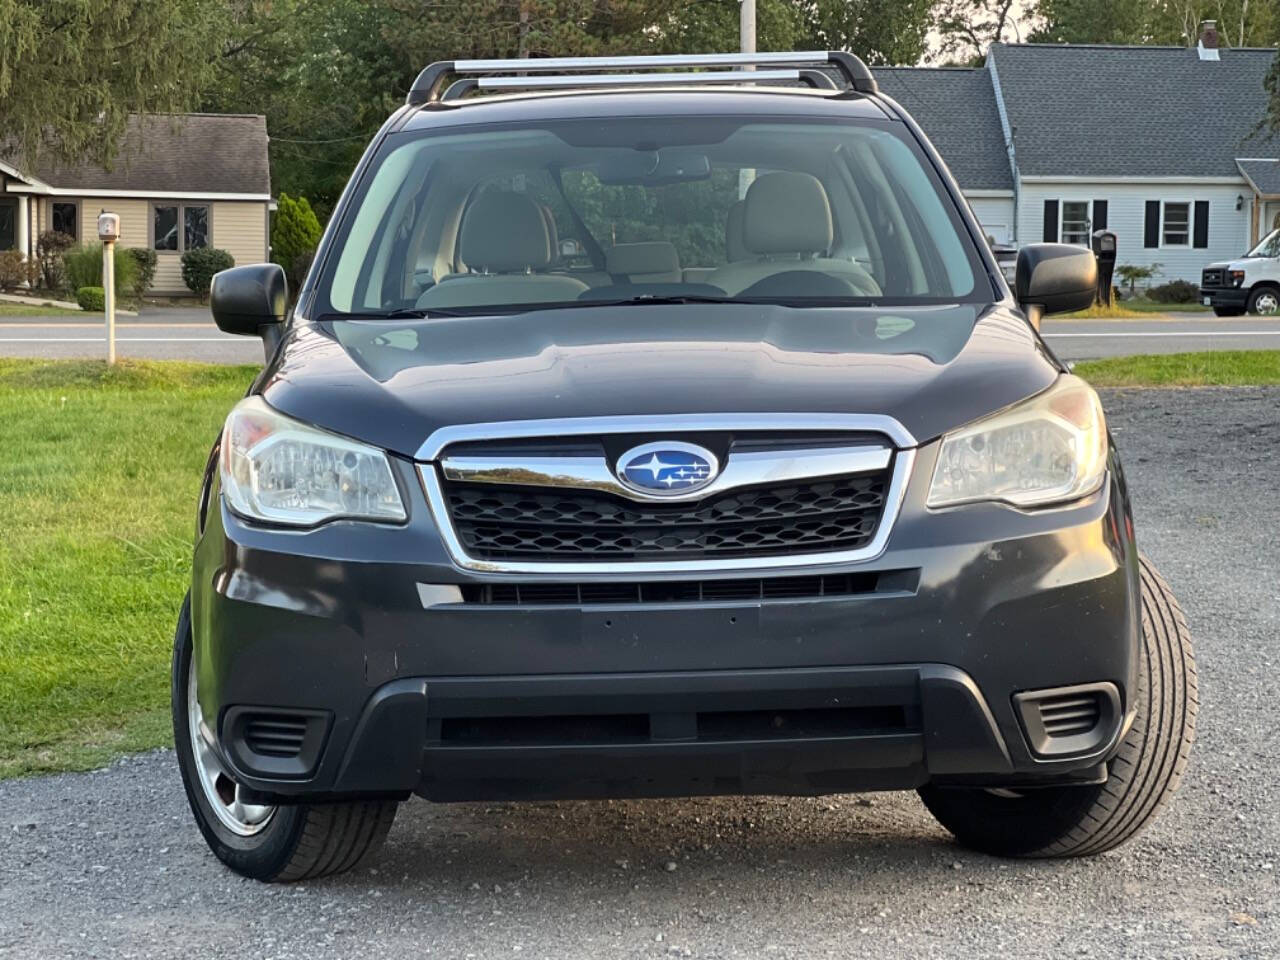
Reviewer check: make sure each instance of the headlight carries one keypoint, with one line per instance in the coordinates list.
(282, 471)
(1049, 449)
(1236, 277)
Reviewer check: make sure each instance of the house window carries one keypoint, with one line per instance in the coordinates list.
(1075, 222)
(66, 218)
(195, 227)
(179, 227)
(1175, 230)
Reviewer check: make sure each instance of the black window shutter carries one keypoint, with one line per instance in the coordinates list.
(1051, 221)
(1151, 231)
(1099, 214)
(1201, 229)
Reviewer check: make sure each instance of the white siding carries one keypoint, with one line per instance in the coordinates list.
(1126, 213)
(996, 216)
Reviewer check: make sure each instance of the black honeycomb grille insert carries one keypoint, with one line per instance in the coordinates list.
(496, 522)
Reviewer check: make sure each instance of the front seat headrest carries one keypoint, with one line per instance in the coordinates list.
(504, 233)
(787, 212)
(643, 259)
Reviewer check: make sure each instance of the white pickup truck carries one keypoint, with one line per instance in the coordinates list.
(1248, 284)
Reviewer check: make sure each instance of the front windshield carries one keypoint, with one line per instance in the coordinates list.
(500, 219)
(1268, 246)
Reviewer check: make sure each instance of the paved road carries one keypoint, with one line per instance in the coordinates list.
(189, 334)
(109, 864)
(1087, 339)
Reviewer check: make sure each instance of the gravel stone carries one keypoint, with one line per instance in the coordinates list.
(758, 877)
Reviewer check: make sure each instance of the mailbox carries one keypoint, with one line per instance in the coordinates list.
(108, 227)
(1104, 248)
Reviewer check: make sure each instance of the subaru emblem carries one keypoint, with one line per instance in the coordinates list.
(667, 468)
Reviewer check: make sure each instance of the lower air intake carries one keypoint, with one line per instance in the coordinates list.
(1069, 720)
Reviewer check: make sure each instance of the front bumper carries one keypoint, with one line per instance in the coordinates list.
(913, 679)
(1235, 297)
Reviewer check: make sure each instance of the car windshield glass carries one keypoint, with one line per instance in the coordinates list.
(1268, 246)
(692, 210)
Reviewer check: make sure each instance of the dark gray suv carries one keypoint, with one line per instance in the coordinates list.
(657, 427)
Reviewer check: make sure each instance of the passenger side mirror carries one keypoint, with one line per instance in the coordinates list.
(251, 301)
(1055, 278)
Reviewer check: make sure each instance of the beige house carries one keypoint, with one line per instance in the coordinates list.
(178, 182)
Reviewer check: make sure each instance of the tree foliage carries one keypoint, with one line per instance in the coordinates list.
(1248, 23)
(295, 234)
(879, 31)
(71, 71)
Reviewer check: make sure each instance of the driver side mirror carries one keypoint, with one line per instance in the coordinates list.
(1055, 278)
(251, 301)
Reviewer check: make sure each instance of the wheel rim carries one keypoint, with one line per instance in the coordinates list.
(1266, 303)
(223, 794)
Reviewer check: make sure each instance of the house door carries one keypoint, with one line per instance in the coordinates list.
(8, 223)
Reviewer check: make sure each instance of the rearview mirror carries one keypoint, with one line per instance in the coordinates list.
(1055, 278)
(251, 301)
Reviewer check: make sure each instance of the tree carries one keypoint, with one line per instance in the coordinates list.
(1177, 22)
(71, 71)
(968, 27)
(879, 31)
(295, 234)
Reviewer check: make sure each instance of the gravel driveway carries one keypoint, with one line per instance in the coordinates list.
(109, 864)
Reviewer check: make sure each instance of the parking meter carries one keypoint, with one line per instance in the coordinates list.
(1104, 248)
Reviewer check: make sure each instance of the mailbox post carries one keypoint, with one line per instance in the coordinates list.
(109, 233)
(1104, 248)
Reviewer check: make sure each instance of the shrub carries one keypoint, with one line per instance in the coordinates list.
(295, 234)
(1176, 291)
(50, 247)
(199, 266)
(144, 262)
(83, 266)
(15, 270)
(1131, 273)
(92, 299)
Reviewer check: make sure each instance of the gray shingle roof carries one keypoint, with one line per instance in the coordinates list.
(1132, 111)
(956, 108)
(188, 153)
(1263, 174)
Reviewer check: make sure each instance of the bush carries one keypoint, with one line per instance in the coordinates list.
(15, 270)
(199, 266)
(83, 266)
(144, 262)
(295, 234)
(1176, 291)
(50, 247)
(92, 299)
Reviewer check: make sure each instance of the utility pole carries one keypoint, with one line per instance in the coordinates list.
(747, 25)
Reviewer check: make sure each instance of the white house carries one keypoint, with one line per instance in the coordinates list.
(1160, 144)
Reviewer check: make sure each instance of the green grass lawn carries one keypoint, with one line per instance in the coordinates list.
(1219, 368)
(22, 310)
(99, 473)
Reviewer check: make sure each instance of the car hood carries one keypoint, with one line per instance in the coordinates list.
(393, 382)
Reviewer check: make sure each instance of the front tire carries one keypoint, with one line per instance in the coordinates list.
(277, 844)
(1143, 775)
(1265, 301)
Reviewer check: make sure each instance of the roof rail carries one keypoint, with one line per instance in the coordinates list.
(596, 72)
